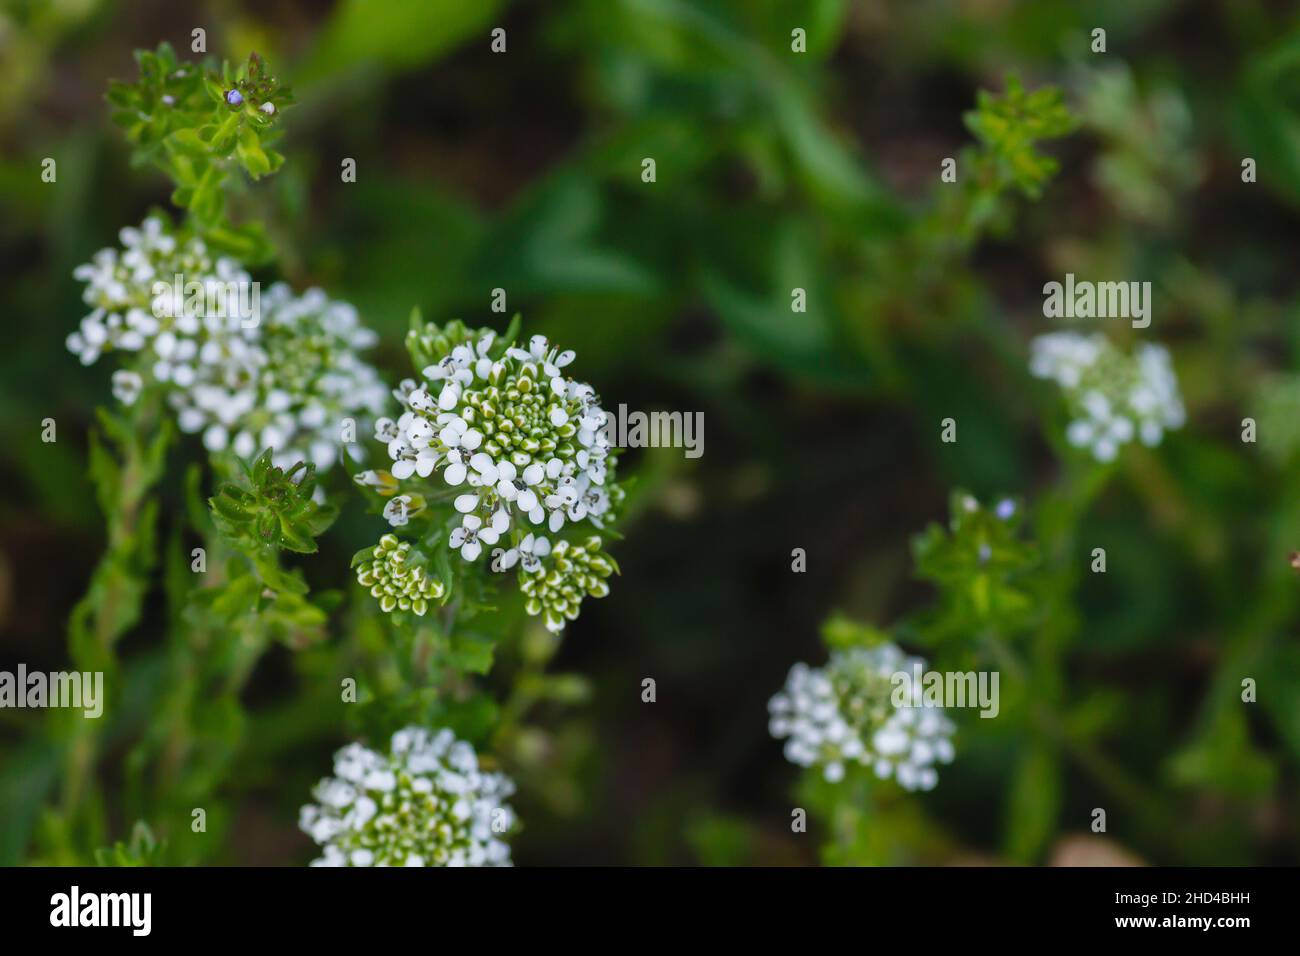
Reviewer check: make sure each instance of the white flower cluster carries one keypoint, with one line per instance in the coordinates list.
(294, 388)
(1113, 397)
(525, 441)
(127, 316)
(285, 378)
(845, 713)
(425, 803)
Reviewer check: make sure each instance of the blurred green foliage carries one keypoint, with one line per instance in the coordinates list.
(775, 170)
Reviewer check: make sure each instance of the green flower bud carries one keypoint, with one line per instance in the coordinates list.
(576, 572)
(397, 585)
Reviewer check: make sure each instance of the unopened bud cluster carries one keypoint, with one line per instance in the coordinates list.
(574, 571)
(397, 584)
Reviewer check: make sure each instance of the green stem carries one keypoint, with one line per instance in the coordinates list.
(111, 603)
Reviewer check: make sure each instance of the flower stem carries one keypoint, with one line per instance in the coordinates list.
(111, 605)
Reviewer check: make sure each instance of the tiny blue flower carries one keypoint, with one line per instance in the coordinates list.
(234, 97)
(985, 553)
(1006, 508)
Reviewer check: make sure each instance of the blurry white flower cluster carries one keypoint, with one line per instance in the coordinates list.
(1114, 397)
(425, 803)
(286, 377)
(844, 713)
(524, 441)
(127, 316)
(294, 388)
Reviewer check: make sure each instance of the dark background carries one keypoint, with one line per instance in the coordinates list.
(522, 170)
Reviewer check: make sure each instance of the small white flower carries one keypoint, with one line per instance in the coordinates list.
(419, 399)
(484, 469)
(482, 361)
(553, 513)
(127, 386)
(528, 555)
(461, 460)
(596, 501)
(592, 461)
(457, 434)
(404, 388)
(449, 397)
(452, 368)
(419, 433)
(517, 486)
(467, 538)
(407, 461)
(540, 353)
(398, 510)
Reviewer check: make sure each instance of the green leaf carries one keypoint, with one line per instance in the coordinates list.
(251, 155)
(395, 34)
(142, 849)
(471, 653)
(1009, 127)
(1034, 804)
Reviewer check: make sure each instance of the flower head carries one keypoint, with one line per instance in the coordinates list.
(526, 449)
(129, 291)
(248, 371)
(296, 386)
(1114, 397)
(424, 803)
(845, 713)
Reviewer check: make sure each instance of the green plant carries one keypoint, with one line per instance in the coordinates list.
(266, 388)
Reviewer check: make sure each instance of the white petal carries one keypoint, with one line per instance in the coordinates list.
(214, 439)
(466, 503)
(484, 466)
